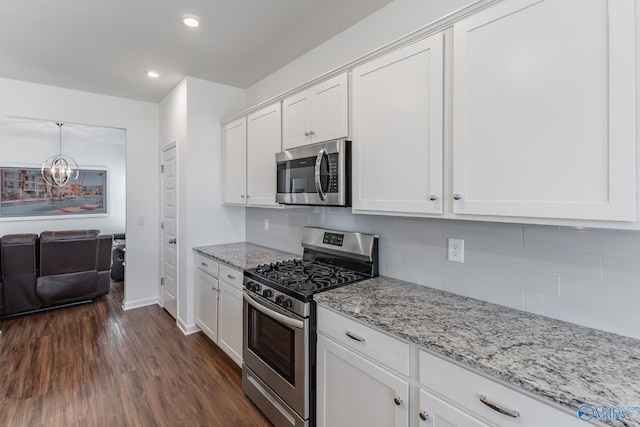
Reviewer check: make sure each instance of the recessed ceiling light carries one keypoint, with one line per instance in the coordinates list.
(153, 74)
(190, 20)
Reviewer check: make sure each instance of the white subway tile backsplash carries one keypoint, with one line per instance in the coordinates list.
(609, 319)
(488, 232)
(477, 252)
(606, 294)
(486, 291)
(546, 283)
(411, 227)
(611, 243)
(589, 277)
(621, 271)
(548, 261)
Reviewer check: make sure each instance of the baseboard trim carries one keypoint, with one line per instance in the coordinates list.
(187, 329)
(129, 305)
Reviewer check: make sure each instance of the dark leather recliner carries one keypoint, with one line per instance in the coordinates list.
(1, 308)
(117, 257)
(67, 266)
(19, 273)
(60, 267)
(103, 263)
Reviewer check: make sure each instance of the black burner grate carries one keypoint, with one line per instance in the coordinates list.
(305, 275)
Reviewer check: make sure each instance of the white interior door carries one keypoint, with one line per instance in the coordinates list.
(169, 238)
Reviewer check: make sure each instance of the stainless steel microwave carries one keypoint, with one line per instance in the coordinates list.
(317, 174)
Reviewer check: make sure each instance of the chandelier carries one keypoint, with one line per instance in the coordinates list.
(59, 170)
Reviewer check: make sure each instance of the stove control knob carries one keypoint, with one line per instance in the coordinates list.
(267, 293)
(284, 301)
(253, 286)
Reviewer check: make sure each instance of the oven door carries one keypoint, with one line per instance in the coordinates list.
(275, 348)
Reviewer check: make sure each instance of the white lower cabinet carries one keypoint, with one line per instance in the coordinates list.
(359, 384)
(219, 305)
(481, 397)
(355, 391)
(230, 321)
(435, 412)
(207, 304)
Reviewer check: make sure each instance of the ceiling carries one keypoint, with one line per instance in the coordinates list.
(106, 47)
(18, 130)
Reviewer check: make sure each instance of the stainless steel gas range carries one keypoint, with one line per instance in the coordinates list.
(279, 320)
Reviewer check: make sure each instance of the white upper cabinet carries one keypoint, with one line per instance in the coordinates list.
(398, 131)
(234, 162)
(264, 140)
(320, 113)
(544, 110)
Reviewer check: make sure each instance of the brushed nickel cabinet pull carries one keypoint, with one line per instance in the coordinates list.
(509, 412)
(354, 337)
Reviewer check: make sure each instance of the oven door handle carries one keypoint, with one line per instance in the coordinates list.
(289, 321)
(319, 190)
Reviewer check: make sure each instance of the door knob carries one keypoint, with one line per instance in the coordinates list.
(172, 241)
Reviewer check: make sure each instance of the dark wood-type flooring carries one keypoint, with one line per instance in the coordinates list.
(95, 365)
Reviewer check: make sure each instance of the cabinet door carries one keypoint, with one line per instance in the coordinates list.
(234, 162)
(481, 396)
(435, 412)
(330, 112)
(397, 133)
(230, 322)
(207, 304)
(353, 391)
(318, 114)
(296, 111)
(264, 140)
(543, 115)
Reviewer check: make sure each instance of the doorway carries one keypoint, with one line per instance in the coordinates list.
(169, 230)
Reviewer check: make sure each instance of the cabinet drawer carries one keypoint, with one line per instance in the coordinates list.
(465, 388)
(231, 276)
(377, 345)
(206, 264)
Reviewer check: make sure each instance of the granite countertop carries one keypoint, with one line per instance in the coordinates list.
(558, 361)
(244, 255)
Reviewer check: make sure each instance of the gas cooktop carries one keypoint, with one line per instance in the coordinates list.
(331, 259)
(306, 276)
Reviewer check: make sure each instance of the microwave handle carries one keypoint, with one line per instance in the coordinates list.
(321, 193)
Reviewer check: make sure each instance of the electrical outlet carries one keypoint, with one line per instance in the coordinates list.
(266, 224)
(456, 250)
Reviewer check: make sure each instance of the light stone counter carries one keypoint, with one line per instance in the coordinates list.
(244, 255)
(557, 361)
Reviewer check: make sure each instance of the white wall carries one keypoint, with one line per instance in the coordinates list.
(393, 21)
(140, 120)
(190, 115)
(24, 150)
